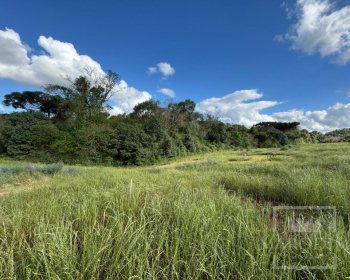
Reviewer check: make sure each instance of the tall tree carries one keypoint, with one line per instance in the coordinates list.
(52, 105)
(87, 95)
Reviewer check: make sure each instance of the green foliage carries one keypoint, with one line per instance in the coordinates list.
(216, 131)
(87, 95)
(275, 134)
(281, 126)
(52, 105)
(94, 143)
(19, 144)
(347, 138)
(168, 148)
(239, 136)
(341, 134)
(28, 134)
(130, 145)
(72, 124)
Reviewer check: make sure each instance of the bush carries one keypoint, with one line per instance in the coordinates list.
(32, 169)
(130, 145)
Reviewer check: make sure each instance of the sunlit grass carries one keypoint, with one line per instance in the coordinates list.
(205, 217)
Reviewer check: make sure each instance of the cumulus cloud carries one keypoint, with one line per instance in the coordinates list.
(321, 28)
(127, 98)
(2, 109)
(152, 70)
(12, 51)
(167, 91)
(334, 117)
(59, 61)
(238, 107)
(242, 107)
(164, 68)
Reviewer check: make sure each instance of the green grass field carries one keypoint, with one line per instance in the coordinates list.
(207, 216)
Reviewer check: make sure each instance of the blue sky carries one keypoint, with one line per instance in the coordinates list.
(273, 57)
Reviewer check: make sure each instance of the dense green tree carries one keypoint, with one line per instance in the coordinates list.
(94, 143)
(129, 145)
(29, 134)
(180, 114)
(281, 126)
(168, 147)
(146, 109)
(42, 136)
(347, 138)
(71, 123)
(215, 131)
(239, 136)
(269, 137)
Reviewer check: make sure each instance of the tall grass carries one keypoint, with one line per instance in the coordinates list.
(30, 168)
(178, 223)
(19, 172)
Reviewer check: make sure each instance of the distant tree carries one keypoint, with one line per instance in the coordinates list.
(28, 132)
(267, 135)
(168, 147)
(316, 137)
(282, 126)
(94, 141)
(5, 132)
(347, 138)
(146, 109)
(184, 107)
(42, 136)
(239, 136)
(340, 134)
(215, 131)
(151, 116)
(87, 95)
(129, 145)
(189, 141)
(36, 101)
(71, 123)
(27, 100)
(181, 113)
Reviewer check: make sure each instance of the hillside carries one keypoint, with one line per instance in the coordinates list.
(339, 133)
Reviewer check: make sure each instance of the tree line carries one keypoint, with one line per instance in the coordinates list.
(72, 123)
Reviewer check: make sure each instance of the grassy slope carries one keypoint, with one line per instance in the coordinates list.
(207, 217)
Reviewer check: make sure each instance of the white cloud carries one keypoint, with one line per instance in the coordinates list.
(12, 51)
(167, 91)
(238, 107)
(2, 109)
(59, 61)
(152, 70)
(321, 28)
(334, 117)
(127, 98)
(164, 68)
(241, 107)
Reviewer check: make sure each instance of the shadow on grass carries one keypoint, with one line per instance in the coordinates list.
(265, 196)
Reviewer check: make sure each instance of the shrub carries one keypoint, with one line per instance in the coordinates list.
(32, 169)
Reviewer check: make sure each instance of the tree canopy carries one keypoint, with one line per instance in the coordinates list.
(72, 123)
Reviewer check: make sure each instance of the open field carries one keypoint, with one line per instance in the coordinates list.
(207, 216)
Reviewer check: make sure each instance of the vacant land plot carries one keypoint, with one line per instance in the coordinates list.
(209, 216)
